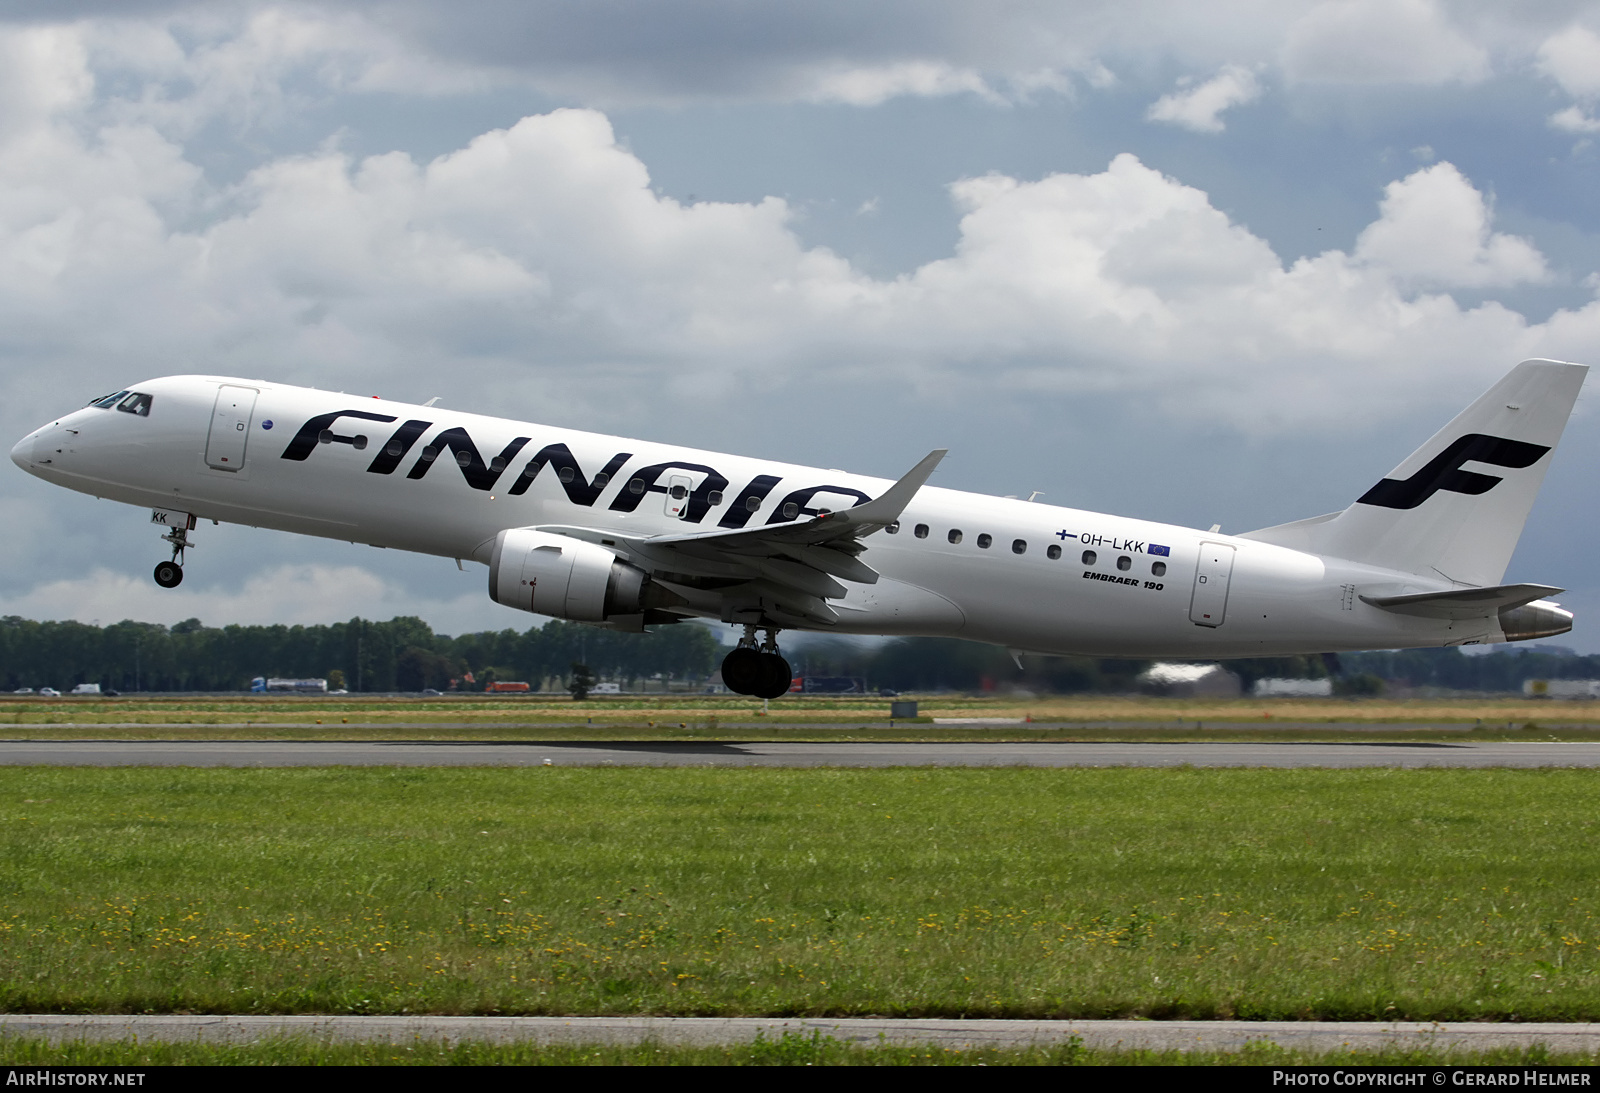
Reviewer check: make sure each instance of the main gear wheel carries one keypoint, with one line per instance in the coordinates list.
(761, 672)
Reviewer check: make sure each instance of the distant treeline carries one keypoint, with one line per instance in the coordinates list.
(1502, 670)
(939, 663)
(404, 654)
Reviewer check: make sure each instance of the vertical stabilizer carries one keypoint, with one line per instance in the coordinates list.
(1455, 507)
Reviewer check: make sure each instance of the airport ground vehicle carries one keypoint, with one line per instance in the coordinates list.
(626, 533)
(261, 685)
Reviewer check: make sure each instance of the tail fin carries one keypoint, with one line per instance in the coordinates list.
(1433, 516)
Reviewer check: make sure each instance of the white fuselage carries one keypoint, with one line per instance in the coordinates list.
(1104, 593)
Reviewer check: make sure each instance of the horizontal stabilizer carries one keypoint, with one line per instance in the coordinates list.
(1463, 603)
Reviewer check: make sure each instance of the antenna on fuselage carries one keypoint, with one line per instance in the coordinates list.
(433, 400)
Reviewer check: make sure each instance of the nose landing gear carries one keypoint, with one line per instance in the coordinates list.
(761, 672)
(170, 574)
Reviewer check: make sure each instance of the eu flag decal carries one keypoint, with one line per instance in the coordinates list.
(1156, 548)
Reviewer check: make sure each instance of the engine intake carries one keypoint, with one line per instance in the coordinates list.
(565, 578)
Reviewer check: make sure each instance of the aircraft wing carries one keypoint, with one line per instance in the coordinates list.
(785, 572)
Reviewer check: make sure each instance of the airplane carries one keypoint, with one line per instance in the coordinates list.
(627, 534)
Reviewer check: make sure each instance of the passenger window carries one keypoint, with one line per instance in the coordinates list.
(1089, 557)
(984, 540)
(921, 531)
(600, 480)
(135, 404)
(463, 459)
(679, 492)
(714, 498)
(636, 486)
(894, 528)
(1159, 569)
(1124, 563)
(954, 536)
(1053, 552)
(497, 464)
(752, 502)
(1019, 546)
(429, 454)
(791, 510)
(565, 474)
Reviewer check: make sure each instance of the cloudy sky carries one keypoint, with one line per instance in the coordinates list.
(1198, 263)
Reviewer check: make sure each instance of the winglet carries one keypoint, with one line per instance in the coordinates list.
(886, 508)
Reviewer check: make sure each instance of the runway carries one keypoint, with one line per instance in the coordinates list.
(579, 753)
(865, 1031)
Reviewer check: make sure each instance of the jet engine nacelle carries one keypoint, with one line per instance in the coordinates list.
(562, 577)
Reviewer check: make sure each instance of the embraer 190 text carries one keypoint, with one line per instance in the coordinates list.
(628, 534)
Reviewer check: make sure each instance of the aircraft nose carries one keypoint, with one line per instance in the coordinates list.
(22, 453)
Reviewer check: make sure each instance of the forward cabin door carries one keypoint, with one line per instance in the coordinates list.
(678, 488)
(230, 427)
(1210, 601)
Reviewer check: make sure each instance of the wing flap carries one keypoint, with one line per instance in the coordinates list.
(784, 573)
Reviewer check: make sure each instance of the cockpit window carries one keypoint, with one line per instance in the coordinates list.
(136, 403)
(106, 402)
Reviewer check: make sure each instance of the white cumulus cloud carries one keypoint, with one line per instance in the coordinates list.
(539, 258)
(1572, 59)
(1200, 108)
(872, 85)
(1435, 231)
(1574, 120)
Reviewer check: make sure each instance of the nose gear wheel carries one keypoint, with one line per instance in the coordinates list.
(170, 574)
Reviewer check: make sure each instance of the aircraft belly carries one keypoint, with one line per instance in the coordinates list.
(899, 608)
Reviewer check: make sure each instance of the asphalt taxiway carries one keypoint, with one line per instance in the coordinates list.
(864, 1031)
(581, 753)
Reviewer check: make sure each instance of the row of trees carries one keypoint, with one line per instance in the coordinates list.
(1501, 670)
(404, 654)
(917, 664)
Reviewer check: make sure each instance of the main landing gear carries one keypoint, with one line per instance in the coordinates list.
(170, 574)
(761, 672)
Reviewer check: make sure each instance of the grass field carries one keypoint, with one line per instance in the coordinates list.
(798, 717)
(1370, 894)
